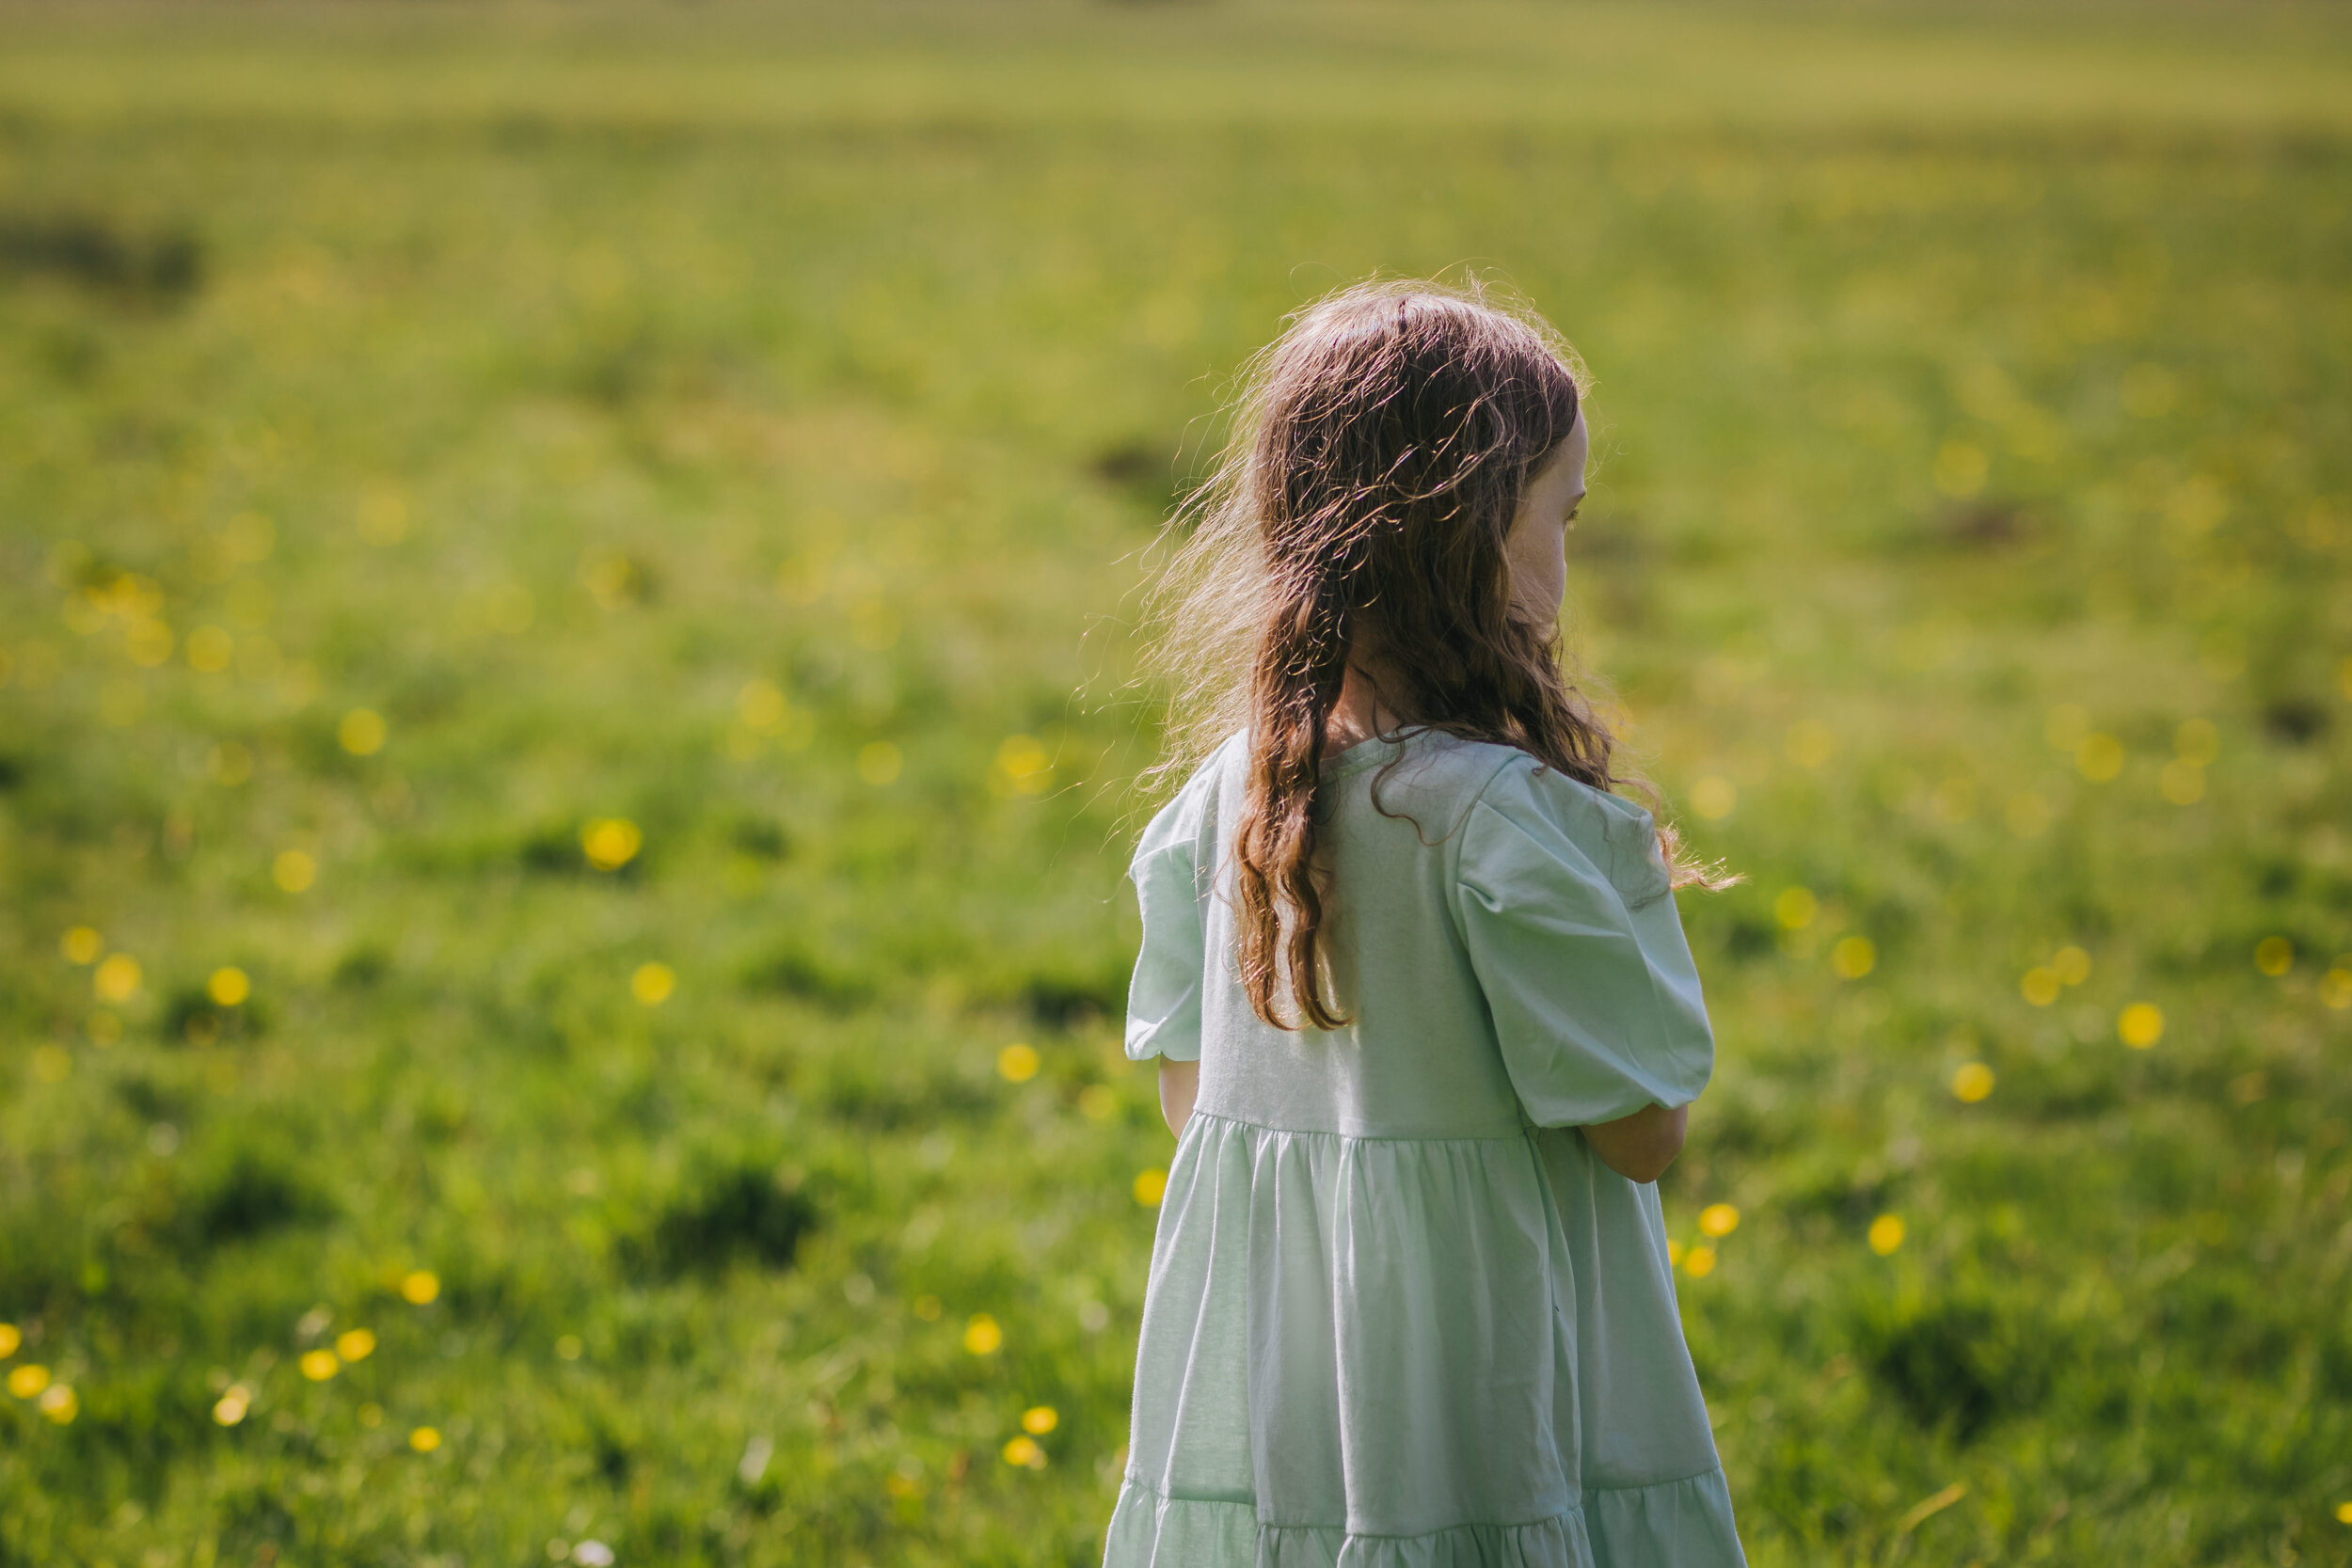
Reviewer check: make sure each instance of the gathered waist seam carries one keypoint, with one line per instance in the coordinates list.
(1573, 1511)
(1514, 1134)
(1714, 1470)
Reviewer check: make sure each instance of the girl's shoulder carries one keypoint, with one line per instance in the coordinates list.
(1190, 815)
(1444, 769)
(1429, 776)
(1524, 803)
(1489, 799)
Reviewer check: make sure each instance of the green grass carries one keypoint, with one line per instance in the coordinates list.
(1971, 386)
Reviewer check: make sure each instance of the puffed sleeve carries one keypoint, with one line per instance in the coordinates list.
(1164, 998)
(1569, 919)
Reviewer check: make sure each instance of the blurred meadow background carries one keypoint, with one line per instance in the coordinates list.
(567, 592)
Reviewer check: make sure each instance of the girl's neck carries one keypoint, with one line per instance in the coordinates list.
(1358, 715)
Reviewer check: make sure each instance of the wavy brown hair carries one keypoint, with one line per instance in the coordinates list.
(1376, 462)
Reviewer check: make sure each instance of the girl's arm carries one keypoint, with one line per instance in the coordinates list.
(1179, 1084)
(1638, 1148)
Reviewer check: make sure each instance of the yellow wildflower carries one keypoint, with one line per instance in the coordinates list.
(293, 870)
(653, 983)
(1853, 958)
(610, 842)
(361, 732)
(2181, 781)
(1714, 797)
(1022, 765)
(762, 705)
(117, 978)
(208, 649)
(2099, 758)
(2335, 987)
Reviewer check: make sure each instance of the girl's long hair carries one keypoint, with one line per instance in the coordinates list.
(1377, 457)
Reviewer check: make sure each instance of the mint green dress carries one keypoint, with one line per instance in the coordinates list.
(1400, 1315)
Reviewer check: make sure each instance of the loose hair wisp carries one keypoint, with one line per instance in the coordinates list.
(1378, 454)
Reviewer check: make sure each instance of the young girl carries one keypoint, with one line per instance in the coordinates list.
(1425, 1017)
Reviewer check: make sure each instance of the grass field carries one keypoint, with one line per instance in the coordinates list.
(566, 593)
